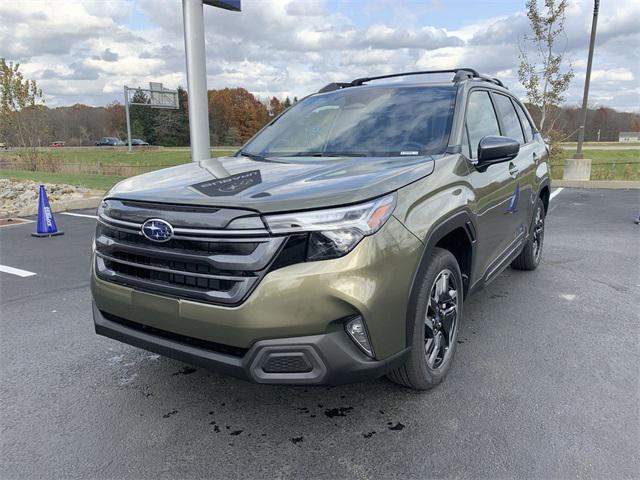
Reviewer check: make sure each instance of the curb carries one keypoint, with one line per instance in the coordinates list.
(611, 184)
(64, 205)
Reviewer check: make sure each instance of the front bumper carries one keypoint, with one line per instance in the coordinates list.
(329, 358)
(304, 304)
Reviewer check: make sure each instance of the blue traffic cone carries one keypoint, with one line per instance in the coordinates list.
(46, 226)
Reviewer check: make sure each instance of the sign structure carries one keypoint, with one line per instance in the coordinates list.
(156, 96)
(233, 5)
(194, 46)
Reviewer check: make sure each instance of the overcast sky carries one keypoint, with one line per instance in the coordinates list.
(85, 51)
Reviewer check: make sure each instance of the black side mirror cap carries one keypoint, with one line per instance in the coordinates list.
(496, 149)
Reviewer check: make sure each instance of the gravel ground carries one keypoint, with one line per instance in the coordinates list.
(18, 197)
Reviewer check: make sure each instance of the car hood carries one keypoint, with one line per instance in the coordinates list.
(277, 184)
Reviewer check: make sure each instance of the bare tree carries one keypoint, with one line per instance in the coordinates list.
(541, 70)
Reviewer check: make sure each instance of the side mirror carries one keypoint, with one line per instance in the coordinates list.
(496, 149)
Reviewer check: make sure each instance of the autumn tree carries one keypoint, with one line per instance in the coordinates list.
(275, 107)
(22, 112)
(115, 122)
(235, 115)
(542, 71)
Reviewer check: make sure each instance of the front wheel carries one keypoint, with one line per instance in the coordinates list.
(435, 324)
(531, 254)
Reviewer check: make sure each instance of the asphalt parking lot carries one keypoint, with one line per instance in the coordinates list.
(545, 382)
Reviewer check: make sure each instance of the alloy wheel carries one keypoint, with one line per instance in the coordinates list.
(441, 319)
(538, 234)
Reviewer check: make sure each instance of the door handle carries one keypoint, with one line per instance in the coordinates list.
(513, 170)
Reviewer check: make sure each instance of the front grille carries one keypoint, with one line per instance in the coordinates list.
(205, 260)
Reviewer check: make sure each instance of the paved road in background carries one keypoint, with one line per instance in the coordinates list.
(593, 146)
(544, 384)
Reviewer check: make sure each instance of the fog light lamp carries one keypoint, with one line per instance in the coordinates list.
(358, 333)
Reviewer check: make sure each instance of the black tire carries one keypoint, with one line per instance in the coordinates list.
(417, 372)
(530, 256)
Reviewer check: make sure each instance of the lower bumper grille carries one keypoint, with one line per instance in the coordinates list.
(195, 342)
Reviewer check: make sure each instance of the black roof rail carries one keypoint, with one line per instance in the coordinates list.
(494, 80)
(460, 74)
(469, 71)
(333, 86)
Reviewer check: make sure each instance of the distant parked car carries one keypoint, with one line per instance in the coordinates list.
(109, 142)
(57, 144)
(136, 142)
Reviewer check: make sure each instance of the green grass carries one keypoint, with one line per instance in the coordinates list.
(152, 158)
(99, 168)
(602, 144)
(164, 157)
(605, 164)
(94, 182)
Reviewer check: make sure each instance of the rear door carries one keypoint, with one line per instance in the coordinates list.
(523, 165)
(494, 186)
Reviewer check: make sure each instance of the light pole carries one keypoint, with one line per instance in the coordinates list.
(585, 96)
(193, 18)
(126, 110)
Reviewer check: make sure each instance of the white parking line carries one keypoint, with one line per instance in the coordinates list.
(79, 215)
(16, 271)
(555, 192)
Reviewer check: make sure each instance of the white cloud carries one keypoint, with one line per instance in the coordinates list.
(612, 75)
(85, 52)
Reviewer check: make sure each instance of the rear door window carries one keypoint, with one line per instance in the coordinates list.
(481, 119)
(509, 118)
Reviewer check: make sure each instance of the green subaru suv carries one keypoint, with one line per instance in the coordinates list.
(338, 244)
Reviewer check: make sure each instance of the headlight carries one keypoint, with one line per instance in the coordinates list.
(334, 232)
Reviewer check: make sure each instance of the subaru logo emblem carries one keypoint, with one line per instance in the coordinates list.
(157, 230)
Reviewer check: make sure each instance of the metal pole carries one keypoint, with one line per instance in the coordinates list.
(585, 96)
(126, 110)
(193, 16)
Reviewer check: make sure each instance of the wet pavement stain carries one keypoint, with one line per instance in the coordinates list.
(185, 371)
(168, 414)
(337, 412)
(397, 427)
(296, 440)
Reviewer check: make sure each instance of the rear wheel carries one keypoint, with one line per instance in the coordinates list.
(531, 254)
(435, 324)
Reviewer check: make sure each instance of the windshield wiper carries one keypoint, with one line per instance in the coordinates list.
(326, 154)
(253, 156)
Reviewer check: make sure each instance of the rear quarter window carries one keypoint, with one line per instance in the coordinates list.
(526, 124)
(509, 118)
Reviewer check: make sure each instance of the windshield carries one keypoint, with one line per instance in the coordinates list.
(377, 121)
